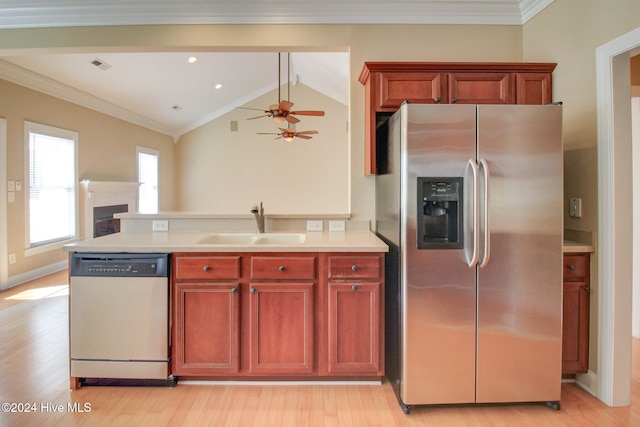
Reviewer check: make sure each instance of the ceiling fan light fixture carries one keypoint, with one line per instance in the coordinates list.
(279, 119)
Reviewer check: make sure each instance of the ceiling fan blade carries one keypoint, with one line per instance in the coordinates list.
(308, 132)
(308, 113)
(267, 133)
(292, 119)
(255, 109)
(303, 136)
(285, 105)
(257, 117)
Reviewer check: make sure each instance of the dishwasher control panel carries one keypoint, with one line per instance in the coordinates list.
(119, 265)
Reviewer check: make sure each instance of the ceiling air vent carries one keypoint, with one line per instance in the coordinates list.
(101, 64)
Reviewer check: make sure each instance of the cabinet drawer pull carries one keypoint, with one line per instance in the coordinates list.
(281, 268)
(572, 267)
(354, 268)
(206, 268)
(253, 290)
(234, 290)
(354, 287)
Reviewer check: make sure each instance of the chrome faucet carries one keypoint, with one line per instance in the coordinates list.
(259, 214)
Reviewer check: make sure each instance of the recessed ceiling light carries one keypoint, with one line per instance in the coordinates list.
(218, 86)
(192, 59)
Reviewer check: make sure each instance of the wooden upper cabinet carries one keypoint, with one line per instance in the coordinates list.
(480, 88)
(389, 84)
(420, 88)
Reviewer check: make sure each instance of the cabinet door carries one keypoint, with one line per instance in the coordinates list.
(281, 328)
(575, 328)
(480, 88)
(533, 88)
(420, 88)
(575, 314)
(354, 328)
(206, 329)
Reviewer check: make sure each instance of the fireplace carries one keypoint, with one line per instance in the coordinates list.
(104, 199)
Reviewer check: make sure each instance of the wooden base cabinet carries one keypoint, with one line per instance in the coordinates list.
(275, 315)
(575, 313)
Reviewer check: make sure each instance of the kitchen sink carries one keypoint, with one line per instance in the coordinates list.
(243, 239)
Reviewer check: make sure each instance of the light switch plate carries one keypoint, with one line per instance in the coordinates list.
(314, 225)
(575, 207)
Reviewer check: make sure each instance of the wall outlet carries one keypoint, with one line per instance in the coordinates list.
(336, 225)
(314, 225)
(575, 207)
(160, 225)
(12, 258)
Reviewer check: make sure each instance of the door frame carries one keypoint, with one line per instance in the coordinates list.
(4, 265)
(614, 218)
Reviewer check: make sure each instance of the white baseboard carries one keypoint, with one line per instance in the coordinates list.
(589, 382)
(37, 273)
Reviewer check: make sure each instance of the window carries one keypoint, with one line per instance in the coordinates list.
(51, 186)
(148, 177)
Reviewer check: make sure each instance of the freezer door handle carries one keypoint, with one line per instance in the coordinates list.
(474, 256)
(487, 232)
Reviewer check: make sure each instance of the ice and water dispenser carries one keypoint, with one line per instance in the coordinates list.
(440, 224)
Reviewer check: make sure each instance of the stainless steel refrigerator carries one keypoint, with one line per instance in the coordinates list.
(469, 200)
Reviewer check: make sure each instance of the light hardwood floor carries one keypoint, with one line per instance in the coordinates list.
(35, 372)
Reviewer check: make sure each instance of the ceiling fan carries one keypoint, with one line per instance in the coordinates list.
(281, 112)
(288, 134)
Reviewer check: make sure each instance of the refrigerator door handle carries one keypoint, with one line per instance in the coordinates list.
(487, 231)
(474, 256)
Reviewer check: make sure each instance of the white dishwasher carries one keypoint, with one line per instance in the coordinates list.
(119, 315)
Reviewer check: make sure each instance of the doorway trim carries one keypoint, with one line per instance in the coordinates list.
(614, 219)
(4, 274)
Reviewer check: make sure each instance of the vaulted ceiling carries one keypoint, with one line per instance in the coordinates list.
(127, 86)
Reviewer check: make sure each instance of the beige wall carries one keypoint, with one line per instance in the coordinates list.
(106, 152)
(568, 32)
(225, 172)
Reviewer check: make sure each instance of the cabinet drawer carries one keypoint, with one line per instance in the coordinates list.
(207, 267)
(576, 267)
(354, 267)
(283, 267)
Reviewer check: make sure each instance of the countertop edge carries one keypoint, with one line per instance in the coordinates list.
(137, 242)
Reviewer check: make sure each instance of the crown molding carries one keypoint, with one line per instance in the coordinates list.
(61, 13)
(40, 83)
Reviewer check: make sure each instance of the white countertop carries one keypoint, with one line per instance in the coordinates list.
(576, 247)
(341, 241)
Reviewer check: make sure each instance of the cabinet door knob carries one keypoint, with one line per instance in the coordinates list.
(354, 268)
(437, 100)
(572, 267)
(281, 268)
(253, 290)
(454, 100)
(354, 287)
(206, 268)
(234, 290)
(587, 289)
